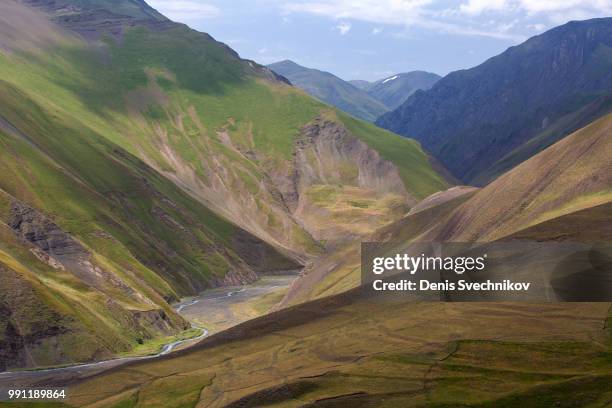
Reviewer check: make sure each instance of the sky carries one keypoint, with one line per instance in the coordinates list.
(374, 39)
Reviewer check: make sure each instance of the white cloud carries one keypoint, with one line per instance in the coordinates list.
(344, 28)
(185, 10)
(474, 7)
(533, 7)
(460, 18)
(420, 13)
(543, 6)
(377, 30)
(378, 11)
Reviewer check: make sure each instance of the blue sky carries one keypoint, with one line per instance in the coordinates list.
(373, 39)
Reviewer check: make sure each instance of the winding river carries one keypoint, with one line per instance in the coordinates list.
(211, 311)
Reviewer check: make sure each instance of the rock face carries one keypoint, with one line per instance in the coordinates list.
(327, 156)
(96, 19)
(483, 121)
(33, 330)
(21, 331)
(11, 344)
(41, 232)
(59, 250)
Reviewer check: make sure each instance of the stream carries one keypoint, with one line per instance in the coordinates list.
(211, 311)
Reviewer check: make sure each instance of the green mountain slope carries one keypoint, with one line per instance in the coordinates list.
(352, 350)
(364, 349)
(573, 175)
(332, 90)
(143, 161)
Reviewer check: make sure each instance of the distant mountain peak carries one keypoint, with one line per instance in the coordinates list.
(331, 89)
(395, 89)
(360, 98)
(390, 79)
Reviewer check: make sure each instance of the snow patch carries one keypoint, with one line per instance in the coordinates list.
(390, 79)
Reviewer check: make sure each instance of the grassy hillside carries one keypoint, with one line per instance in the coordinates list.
(340, 270)
(210, 122)
(356, 351)
(363, 349)
(156, 156)
(573, 175)
(155, 241)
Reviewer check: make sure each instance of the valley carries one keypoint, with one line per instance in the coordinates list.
(208, 313)
(130, 180)
(183, 227)
(315, 354)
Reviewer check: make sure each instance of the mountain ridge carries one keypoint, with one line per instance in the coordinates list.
(394, 90)
(331, 89)
(473, 120)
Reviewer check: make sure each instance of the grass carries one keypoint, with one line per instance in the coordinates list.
(352, 210)
(374, 354)
(267, 302)
(154, 346)
(414, 167)
(84, 181)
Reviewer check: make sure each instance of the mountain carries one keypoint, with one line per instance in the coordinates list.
(571, 177)
(143, 161)
(361, 84)
(483, 121)
(394, 90)
(354, 347)
(331, 89)
(362, 99)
